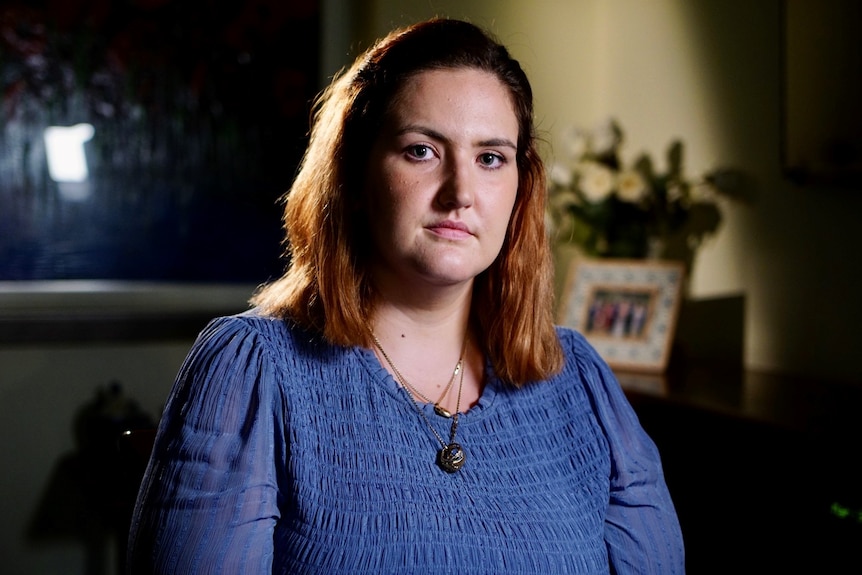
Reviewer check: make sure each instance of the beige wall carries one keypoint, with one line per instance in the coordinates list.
(706, 72)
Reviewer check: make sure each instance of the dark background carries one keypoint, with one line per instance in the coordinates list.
(200, 110)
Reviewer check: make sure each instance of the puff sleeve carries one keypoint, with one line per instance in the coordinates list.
(209, 499)
(642, 531)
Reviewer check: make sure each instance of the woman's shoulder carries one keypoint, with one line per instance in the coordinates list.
(582, 361)
(252, 333)
(253, 324)
(567, 334)
(575, 345)
(249, 322)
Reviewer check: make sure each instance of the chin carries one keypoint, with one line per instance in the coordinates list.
(452, 277)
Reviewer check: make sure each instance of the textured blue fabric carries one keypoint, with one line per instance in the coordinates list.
(279, 453)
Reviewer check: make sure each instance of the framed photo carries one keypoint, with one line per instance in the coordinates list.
(627, 309)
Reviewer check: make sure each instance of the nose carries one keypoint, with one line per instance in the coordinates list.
(458, 187)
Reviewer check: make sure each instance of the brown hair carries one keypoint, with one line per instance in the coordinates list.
(326, 286)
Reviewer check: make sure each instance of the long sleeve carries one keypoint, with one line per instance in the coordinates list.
(642, 531)
(208, 503)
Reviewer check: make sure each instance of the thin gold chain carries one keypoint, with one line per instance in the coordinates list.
(403, 380)
(453, 429)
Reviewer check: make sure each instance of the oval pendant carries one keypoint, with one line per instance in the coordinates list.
(451, 458)
(442, 411)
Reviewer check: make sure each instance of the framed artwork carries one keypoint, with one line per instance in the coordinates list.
(627, 309)
(143, 149)
(150, 141)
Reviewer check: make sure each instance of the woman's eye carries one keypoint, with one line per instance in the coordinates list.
(419, 152)
(490, 160)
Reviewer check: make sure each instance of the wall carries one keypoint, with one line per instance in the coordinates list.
(708, 73)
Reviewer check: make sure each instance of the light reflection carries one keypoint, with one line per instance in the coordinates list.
(67, 160)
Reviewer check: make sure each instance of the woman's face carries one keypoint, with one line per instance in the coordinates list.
(442, 179)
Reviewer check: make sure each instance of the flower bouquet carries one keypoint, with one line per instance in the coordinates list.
(610, 209)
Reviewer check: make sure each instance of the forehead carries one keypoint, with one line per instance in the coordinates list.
(445, 89)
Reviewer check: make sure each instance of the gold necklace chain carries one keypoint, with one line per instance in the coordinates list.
(451, 456)
(438, 409)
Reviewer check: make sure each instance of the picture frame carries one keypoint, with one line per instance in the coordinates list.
(627, 309)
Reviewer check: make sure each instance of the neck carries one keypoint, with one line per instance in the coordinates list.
(425, 344)
(421, 327)
(413, 295)
(422, 316)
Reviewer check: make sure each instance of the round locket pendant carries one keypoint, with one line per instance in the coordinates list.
(451, 458)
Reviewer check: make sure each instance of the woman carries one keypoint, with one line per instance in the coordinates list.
(400, 400)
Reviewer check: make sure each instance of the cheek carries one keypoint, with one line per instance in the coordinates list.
(394, 197)
(383, 209)
(382, 184)
(376, 196)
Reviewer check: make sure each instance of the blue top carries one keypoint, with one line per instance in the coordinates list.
(280, 453)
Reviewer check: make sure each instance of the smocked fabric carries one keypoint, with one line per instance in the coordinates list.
(280, 453)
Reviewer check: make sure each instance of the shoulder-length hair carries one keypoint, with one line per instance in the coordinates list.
(327, 287)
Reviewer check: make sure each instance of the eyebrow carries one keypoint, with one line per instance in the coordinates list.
(431, 133)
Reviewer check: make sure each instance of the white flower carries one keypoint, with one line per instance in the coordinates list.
(560, 175)
(576, 142)
(631, 186)
(596, 182)
(607, 137)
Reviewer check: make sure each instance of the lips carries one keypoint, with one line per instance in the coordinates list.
(451, 229)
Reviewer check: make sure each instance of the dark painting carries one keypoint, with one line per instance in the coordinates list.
(151, 139)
